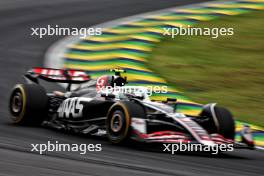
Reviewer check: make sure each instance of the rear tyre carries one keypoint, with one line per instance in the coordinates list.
(28, 104)
(220, 121)
(119, 119)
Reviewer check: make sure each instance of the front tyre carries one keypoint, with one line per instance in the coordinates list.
(220, 120)
(119, 119)
(28, 104)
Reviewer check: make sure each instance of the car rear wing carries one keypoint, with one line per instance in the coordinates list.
(70, 76)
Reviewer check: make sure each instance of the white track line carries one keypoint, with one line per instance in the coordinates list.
(54, 55)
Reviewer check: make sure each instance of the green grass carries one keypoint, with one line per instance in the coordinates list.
(228, 70)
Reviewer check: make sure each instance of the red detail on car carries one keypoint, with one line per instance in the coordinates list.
(102, 82)
(61, 74)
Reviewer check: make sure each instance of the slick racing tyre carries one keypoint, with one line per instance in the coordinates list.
(28, 104)
(220, 120)
(119, 118)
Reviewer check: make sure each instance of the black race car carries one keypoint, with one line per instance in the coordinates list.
(127, 113)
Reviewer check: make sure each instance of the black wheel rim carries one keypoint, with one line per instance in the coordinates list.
(116, 125)
(116, 122)
(16, 103)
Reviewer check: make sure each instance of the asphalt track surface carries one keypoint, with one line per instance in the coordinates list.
(20, 51)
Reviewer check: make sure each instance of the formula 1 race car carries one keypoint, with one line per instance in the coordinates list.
(96, 107)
